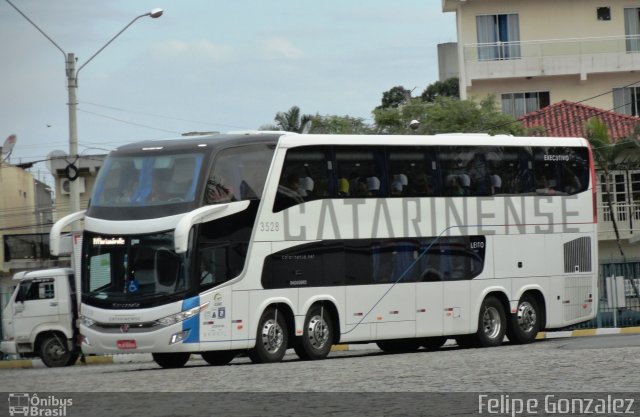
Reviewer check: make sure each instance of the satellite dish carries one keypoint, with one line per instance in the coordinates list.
(7, 147)
(55, 156)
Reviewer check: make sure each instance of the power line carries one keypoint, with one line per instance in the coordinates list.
(128, 122)
(162, 116)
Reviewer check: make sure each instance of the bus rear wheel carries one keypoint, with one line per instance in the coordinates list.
(219, 357)
(492, 326)
(317, 336)
(399, 345)
(272, 338)
(171, 360)
(524, 324)
(433, 343)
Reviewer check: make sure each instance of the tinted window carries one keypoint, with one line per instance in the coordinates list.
(359, 172)
(306, 175)
(561, 170)
(238, 174)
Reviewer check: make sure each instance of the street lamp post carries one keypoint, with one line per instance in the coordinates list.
(72, 86)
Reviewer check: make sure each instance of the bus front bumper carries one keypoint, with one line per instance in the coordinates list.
(168, 339)
(9, 347)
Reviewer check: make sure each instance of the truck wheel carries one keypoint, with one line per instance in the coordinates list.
(171, 360)
(54, 351)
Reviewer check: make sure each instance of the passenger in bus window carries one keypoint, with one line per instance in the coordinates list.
(217, 192)
(305, 187)
(396, 188)
(373, 186)
(343, 187)
(453, 186)
(288, 195)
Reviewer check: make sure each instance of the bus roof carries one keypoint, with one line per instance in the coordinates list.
(460, 139)
(216, 141)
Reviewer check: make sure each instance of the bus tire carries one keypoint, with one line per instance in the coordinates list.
(171, 360)
(492, 323)
(433, 343)
(272, 338)
(399, 345)
(219, 357)
(54, 351)
(317, 336)
(524, 324)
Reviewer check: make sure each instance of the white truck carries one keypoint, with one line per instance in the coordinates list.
(40, 318)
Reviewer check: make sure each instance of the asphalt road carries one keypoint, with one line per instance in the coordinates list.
(600, 364)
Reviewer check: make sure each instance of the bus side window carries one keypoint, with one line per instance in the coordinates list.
(362, 169)
(305, 176)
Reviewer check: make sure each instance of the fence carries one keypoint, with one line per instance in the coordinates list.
(625, 311)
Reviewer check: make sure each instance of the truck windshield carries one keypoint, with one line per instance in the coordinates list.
(147, 180)
(125, 269)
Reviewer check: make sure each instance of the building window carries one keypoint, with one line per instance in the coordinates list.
(518, 104)
(603, 13)
(632, 28)
(498, 36)
(627, 100)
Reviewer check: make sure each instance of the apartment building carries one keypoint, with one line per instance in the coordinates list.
(555, 64)
(531, 53)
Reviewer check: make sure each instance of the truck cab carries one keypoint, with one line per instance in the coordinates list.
(40, 318)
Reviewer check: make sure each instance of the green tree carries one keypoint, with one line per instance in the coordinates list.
(395, 97)
(447, 115)
(447, 88)
(292, 120)
(339, 125)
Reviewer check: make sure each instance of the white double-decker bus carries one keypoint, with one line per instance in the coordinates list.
(258, 242)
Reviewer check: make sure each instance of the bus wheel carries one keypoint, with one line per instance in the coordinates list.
(219, 357)
(171, 360)
(525, 323)
(433, 343)
(272, 338)
(317, 337)
(399, 345)
(54, 351)
(491, 323)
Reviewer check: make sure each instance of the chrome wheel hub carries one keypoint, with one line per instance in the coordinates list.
(272, 337)
(318, 332)
(491, 322)
(526, 317)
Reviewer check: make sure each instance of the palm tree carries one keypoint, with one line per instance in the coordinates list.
(623, 154)
(291, 121)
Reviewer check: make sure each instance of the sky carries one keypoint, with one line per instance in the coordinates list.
(205, 65)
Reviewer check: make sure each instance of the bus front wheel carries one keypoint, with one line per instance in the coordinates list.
(272, 338)
(171, 360)
(219, 358)
(524, 324)
(317, 336)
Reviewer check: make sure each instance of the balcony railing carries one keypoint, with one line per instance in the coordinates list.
(552, 57)
(627, 216)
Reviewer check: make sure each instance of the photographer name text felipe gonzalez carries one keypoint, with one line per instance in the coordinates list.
(549, 404)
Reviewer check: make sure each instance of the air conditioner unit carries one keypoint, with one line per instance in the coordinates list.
(65, 185)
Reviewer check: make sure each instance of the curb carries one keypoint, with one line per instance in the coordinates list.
(146, 357)
(588, 332)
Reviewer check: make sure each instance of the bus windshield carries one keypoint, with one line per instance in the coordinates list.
(132, 268)
(147, 180)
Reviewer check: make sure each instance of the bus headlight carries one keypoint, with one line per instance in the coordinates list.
(86, 321)
(181, 316)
